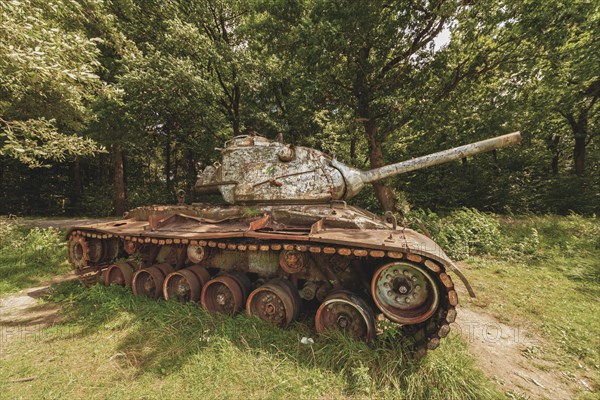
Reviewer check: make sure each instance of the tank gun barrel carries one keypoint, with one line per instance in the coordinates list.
(441, 157)
(356, 179)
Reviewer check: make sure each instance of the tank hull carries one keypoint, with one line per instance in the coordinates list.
(338, 259)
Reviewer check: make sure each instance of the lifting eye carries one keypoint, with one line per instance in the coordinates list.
(286, 153)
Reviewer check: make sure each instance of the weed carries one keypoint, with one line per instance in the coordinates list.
(29, 256)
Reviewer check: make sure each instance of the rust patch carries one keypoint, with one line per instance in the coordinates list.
(414, 257)
(452, 298)
(432, 266)
(446, 280)
(259, 223)
(329, 250)
(292, 261)
(451, 315)
(395, 254)
(344, 251)
(444, 330)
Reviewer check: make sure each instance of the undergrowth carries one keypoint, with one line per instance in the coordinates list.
(545, 277)
(29, 256)
(463, 233)
(468, 232)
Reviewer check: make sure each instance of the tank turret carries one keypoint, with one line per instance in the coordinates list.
(257, 170)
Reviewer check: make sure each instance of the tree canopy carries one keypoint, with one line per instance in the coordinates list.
(124, 101)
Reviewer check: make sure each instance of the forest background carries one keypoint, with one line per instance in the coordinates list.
(111, 104)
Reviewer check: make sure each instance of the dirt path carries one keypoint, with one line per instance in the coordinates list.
(22, 314)
(511, 357)
(62, 223)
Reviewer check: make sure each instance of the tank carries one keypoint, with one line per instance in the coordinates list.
(285, 246)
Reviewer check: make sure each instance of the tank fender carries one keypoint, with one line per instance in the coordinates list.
(454, 268)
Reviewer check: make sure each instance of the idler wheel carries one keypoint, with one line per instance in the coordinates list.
(344, 311)
(186, 284)
(119, 274)
(226, 294)
(149, 281)
(277, 301)
(404, 292)
(78, 251)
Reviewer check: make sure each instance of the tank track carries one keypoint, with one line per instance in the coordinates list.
(425, 335)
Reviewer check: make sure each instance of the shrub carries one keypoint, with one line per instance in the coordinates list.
(463, 233)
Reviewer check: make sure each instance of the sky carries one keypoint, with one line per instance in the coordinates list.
(442, 38)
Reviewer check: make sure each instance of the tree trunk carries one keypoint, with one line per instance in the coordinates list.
(384, 193)
(579, 127)
(236, 124)
(579, 154)
(353, 148)
(168, 164)
(362, 91)
(192, 172)
(554, 164)
(553, 146)
(120, 206)
(77, 186)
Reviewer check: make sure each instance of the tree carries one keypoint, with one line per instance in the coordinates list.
(379, 60)
(565, 74)
(47, 81)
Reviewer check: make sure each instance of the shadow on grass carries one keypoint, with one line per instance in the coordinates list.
(19, 270)
(161, 336)
(29, 256)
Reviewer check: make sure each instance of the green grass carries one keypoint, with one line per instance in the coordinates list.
(543, 274)
(115, 345)
(29, 256)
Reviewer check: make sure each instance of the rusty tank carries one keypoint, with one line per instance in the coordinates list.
(285, 246)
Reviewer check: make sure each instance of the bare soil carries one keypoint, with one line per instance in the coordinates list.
(23, 314)
(62, 223)
(512, 357)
